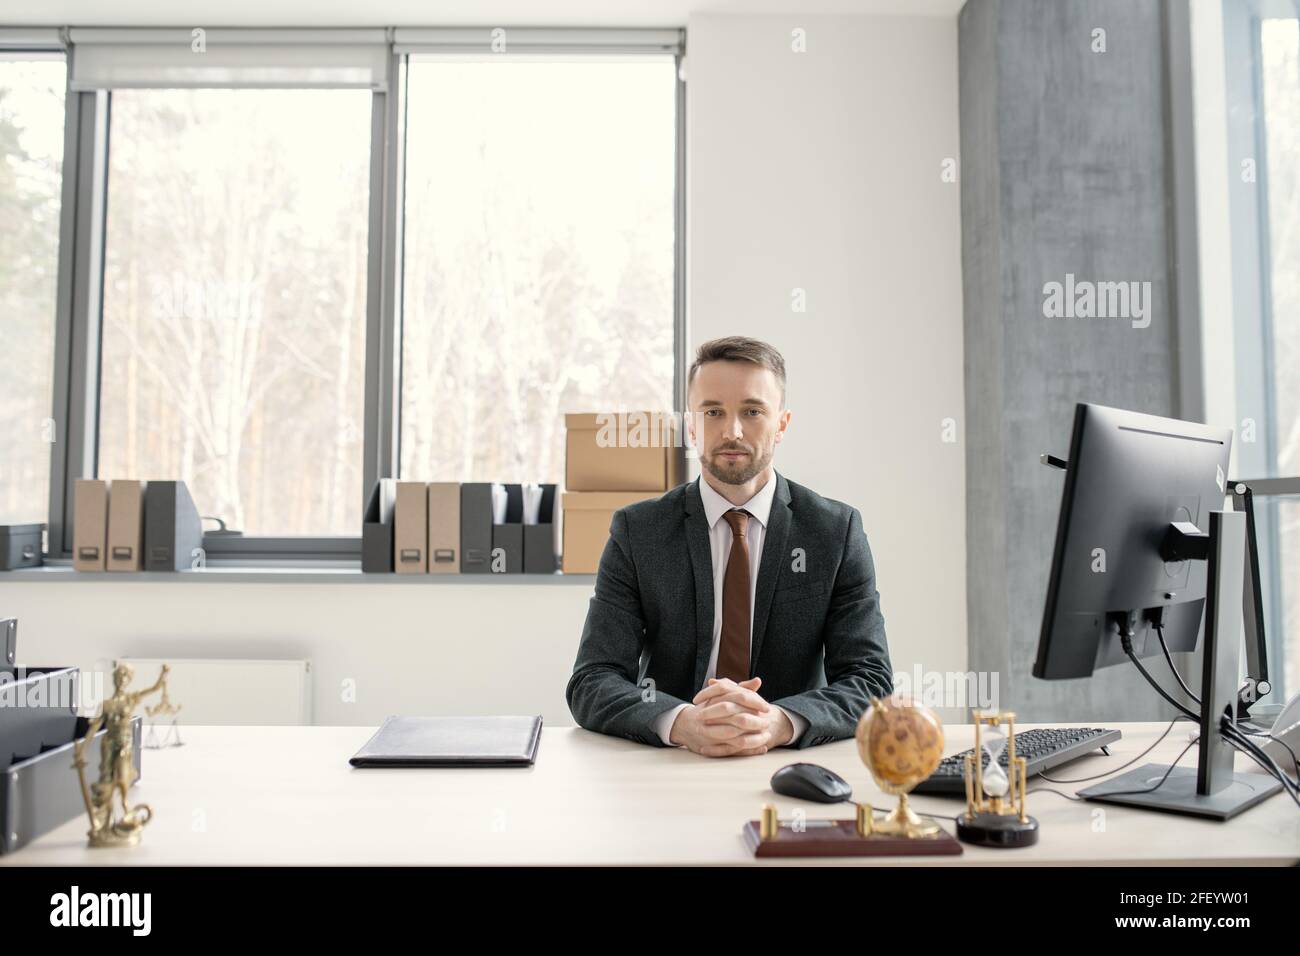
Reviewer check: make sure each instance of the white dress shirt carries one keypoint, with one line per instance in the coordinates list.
(760, 509)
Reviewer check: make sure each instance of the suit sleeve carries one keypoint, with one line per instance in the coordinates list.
(856, 653)
(602, 692)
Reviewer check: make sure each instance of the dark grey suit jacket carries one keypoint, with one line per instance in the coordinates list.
(818, 634)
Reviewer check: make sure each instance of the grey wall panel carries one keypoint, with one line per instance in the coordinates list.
(1064, 172)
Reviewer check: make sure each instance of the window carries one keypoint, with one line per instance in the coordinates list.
(234, 310)
(300, 260)
(31, 180)
(1280, 101)
(1262, 62)
(539, 256)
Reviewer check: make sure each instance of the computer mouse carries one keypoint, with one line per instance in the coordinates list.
(807, 781)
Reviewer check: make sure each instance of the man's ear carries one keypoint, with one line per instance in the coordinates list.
(785, 421)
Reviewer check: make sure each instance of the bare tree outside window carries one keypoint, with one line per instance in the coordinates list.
(538, 275)
(235, 300)
(31, 178)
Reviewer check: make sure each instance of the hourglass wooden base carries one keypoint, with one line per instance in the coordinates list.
(996, 829)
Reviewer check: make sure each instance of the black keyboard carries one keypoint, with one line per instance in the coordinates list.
(1042, 750)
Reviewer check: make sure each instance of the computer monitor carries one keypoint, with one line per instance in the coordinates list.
(1128, 477)
(1143, 542)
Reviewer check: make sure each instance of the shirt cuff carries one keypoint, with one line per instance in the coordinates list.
(800, 725)
(664, 724)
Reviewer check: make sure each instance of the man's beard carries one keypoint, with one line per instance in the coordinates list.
(740, 472)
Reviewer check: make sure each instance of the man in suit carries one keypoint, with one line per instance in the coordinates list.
(737, 612)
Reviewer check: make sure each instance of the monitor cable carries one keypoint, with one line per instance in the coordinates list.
(1126, 642)
(1160, 633)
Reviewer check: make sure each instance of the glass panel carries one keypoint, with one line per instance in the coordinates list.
(1280, 101)
(31, 181)
(235, 302)
(538, 274)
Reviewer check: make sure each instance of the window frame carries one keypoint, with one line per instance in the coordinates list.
(79, 316)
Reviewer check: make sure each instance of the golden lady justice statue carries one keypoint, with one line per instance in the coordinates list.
(116, 766)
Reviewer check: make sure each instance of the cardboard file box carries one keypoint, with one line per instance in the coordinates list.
(89, 524)
(444, 527)
(586, 525)
(411, 528)
(377, 528)
(476, 527)
(629, 451)
(125, 525)
(20, 546)
(42, 793)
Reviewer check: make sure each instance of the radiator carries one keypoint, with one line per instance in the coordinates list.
(226, 692)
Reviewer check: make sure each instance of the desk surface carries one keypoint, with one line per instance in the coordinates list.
(287, 795)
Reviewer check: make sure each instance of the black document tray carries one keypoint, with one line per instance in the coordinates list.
(43, 792)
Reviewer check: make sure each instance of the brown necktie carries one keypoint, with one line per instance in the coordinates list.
(733, 648)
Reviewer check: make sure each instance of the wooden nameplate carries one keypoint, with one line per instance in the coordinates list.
(843, 840)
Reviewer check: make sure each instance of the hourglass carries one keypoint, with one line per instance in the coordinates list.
(995, 797)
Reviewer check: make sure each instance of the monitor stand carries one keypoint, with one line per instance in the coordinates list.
(1212, 788)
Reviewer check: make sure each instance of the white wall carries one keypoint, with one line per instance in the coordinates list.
(430, 647)
(819, 171)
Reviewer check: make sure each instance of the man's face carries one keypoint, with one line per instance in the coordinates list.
(736, 419)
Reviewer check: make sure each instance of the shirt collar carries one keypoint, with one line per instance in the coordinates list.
(760, 506)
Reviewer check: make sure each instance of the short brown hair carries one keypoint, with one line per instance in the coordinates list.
(738, 348)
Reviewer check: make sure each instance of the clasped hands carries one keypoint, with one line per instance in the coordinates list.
(729, 719)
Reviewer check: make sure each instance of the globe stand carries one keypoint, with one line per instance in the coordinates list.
(904, 821)
(995, 802)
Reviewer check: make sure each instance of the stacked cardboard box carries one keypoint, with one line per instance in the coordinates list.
(612, 459)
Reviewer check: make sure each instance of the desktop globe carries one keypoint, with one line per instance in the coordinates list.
(901, 743)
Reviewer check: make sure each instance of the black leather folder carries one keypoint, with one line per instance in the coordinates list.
(452, 742)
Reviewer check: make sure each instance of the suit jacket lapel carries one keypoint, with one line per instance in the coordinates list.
(769, 569)
(697, 537)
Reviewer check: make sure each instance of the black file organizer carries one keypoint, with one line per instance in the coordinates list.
(42, 792)
(173, 531)
(377, 528)
(508, 538)
(539, 539)
(476, 527)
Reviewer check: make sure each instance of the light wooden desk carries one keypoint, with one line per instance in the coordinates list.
(287, 795)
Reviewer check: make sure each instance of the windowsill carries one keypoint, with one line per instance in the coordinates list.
(288, 574)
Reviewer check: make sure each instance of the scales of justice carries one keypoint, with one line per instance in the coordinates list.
(164, 708)
(116, 766)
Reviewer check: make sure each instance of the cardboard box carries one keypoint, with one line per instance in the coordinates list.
(622, 451)
(586, 525)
